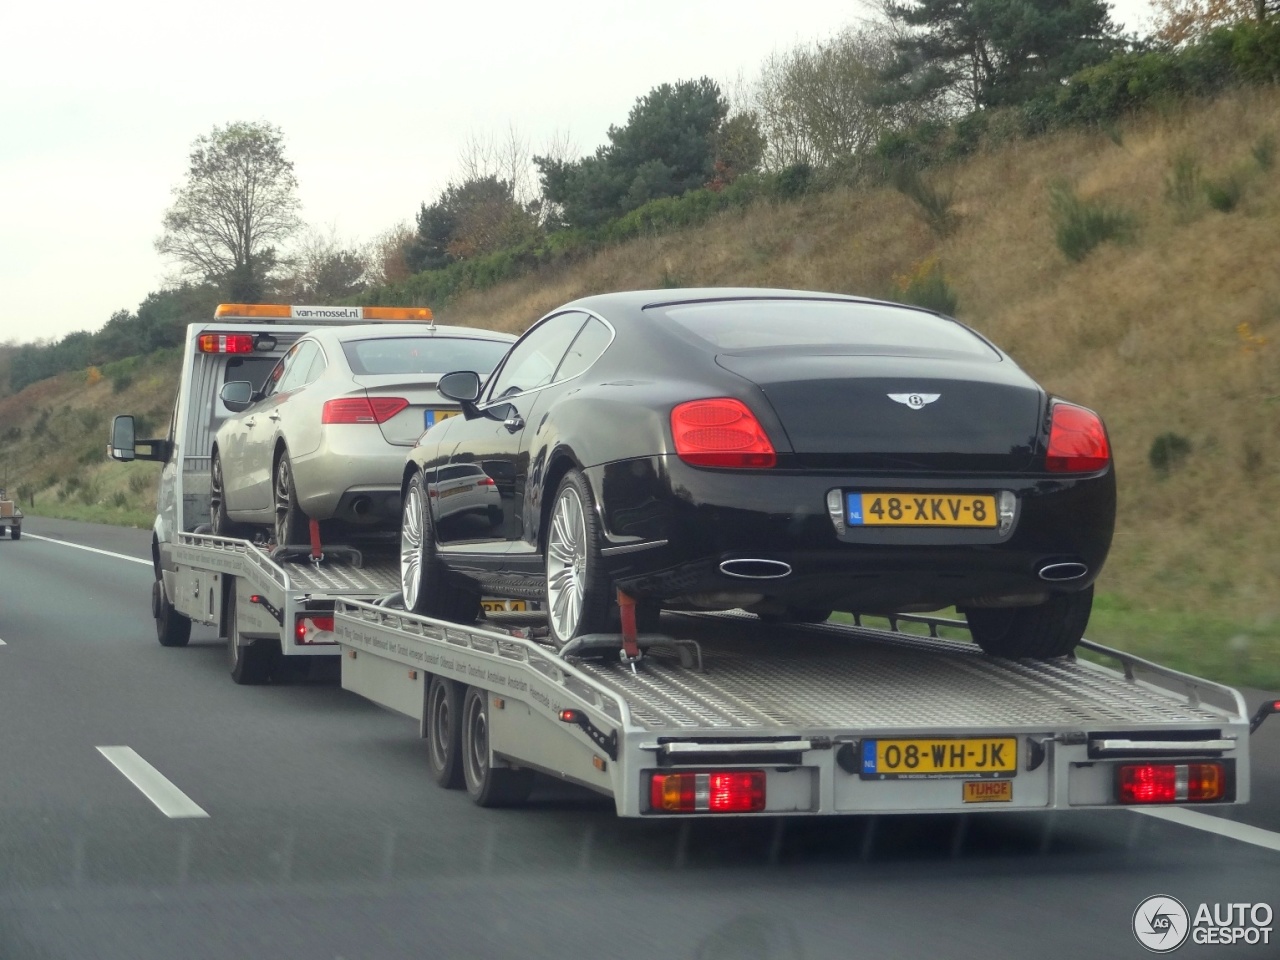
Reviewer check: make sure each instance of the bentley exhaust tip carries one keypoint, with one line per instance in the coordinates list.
(753, 569)
(1061, 572)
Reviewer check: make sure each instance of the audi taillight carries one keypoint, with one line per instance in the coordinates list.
(362, 409)
(225, 343)
(1077, 440)
(720, 432)
(713, 791)
(1171, 782)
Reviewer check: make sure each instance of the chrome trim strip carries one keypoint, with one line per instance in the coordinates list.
(632, 547)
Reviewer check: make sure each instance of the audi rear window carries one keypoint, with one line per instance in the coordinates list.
(837, 325)
(423, 354)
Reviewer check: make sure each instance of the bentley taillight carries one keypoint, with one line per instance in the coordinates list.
(1077, 441)
(720, 432)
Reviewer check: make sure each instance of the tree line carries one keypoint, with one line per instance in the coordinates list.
(888, 91)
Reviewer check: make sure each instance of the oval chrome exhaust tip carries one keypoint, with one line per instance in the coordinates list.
(752, 569)
(1059, 572)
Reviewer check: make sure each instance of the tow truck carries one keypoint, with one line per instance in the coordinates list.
(723, 714)
(10, 516)
(270, 602)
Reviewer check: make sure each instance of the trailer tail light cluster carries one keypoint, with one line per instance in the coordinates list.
(721, 432)
(361, 409)
(714, 791)
(226, 343)
(307, 625)
(1077, 441)
(1172, 782)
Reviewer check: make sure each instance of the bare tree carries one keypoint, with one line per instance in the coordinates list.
(506, 158)
(1180, 21)
(385, 255)
(324, 270)
(238, 201)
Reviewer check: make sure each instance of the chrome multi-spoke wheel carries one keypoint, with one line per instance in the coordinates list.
(566, 563)
(411, 544)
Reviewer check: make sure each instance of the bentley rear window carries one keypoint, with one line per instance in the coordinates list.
(870, 328)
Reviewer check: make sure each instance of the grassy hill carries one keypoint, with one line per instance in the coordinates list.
(1171, 331)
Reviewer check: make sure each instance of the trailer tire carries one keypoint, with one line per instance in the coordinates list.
(444, 732)
(580, 597)
(488, 786)
(423, 577)
(1047, 630)
(251, 664)
(291, 526)
(15, 532)
(172, 628)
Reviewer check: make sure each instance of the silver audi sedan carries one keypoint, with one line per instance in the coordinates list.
(326, 436)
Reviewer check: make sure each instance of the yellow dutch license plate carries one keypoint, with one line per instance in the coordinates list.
(933, 759)
(884, 509)
(431, 417)
(503, 606)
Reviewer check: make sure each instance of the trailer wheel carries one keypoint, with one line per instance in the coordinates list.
(15, 531)
(444, 732)
(1047, 630)
(250, 664)
(488, 786)
(2, 531)
(580, 598)
(291, 523)
(423, 577)
(172, 628)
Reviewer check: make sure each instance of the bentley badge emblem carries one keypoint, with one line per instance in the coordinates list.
(915, 401)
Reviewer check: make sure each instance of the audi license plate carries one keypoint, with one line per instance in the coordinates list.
(431, 417)
(970, 758)
(921, 510)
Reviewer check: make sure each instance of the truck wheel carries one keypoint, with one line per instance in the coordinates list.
(250, 664)
(444, 732)
(291, 523)
(488, 786)
(15, 532)
(2, 531)
(580, 598)
(1047, 630)
(423, 577)
(220, 524)
(172, 628)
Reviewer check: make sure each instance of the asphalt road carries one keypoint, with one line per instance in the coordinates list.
(325, 837)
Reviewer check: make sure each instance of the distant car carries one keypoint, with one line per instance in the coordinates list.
(786, 452)
(325, 438)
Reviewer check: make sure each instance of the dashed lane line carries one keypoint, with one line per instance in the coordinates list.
(155, 786)
(1211, 824)
(80, 546)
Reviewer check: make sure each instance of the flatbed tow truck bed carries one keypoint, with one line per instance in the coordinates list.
(816, 719)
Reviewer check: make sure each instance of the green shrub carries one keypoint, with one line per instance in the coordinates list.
(1182, 183)
(793, 181)
(1080, 225)
(1224, 195)
(926, 286)
(1264, 151)
(139, 482)
(933, 203)
(1168, 452)
(120, 499)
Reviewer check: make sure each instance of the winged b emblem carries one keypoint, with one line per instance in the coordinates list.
(916, 401)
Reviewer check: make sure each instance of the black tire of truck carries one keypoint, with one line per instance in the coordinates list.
(252, 663)
(1043, 632)
(15, 532)
(172, 628)
(488, 786)
(444, 732)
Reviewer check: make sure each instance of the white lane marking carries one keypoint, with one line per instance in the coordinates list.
(3, 644)
(155, 786)
(1211, 824)
(78, 546)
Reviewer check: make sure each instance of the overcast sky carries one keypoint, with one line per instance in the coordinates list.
(100, 102)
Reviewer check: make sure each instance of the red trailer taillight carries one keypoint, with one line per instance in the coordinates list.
(1171, 782)
(307, 624)
(712, 791)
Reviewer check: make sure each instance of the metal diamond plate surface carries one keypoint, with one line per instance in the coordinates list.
(817, 678)
(377, 576)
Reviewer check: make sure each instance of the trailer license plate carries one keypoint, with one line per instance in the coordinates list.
(971, 758)
(921, 510)
(431, 417)
(503, 606)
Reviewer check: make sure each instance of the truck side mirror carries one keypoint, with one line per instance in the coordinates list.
(122, 438)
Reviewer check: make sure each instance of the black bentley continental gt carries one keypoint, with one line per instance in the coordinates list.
(785, 452)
